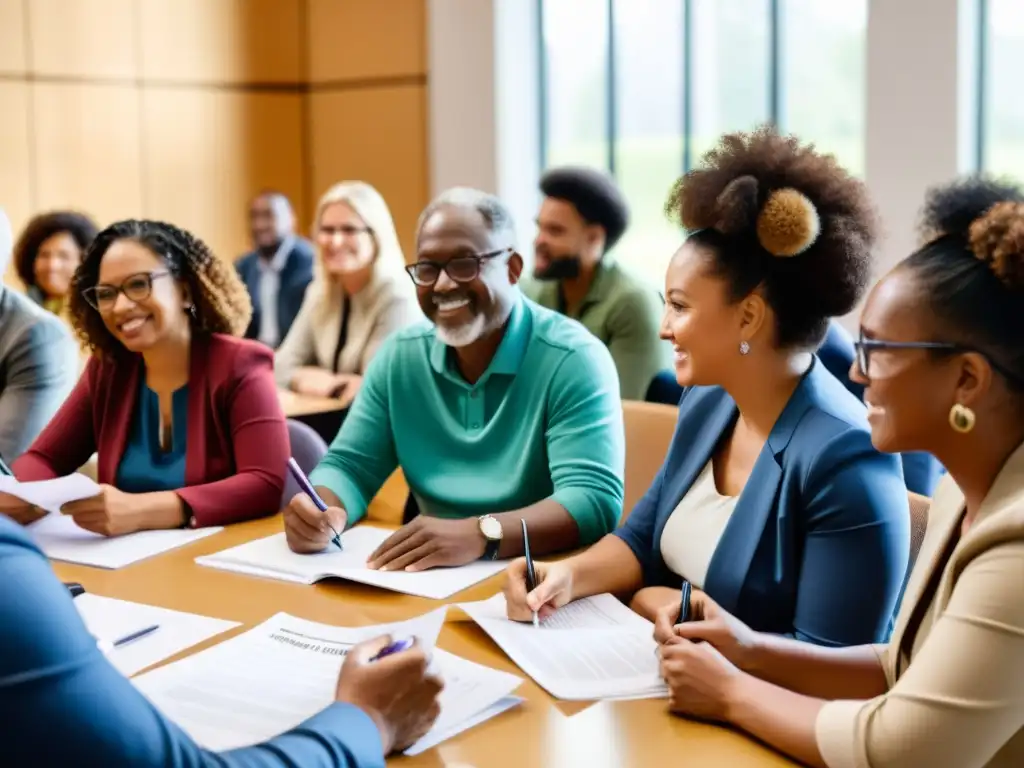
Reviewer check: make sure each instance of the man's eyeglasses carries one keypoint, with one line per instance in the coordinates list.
(864, 348)
(461, 269)
(136, 287)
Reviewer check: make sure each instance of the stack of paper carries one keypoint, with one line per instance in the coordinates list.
(109, 620)
(264, 682)
(270, 557)
(595, 648)
(51, 495)
(60, 539)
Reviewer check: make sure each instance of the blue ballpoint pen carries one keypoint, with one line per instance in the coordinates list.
(403, 644)
(307, 488)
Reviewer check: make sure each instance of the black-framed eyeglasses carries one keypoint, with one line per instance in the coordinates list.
(461, 269)
(136, 287)
(864, 348)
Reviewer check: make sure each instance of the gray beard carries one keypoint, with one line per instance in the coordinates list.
(481, 325)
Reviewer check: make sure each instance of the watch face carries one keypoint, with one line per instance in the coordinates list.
(490, 527)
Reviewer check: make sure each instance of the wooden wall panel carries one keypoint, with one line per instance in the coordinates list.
(208, 151)
(377, 135)
(15, 164)
(358, 39)
(87, 149)
(13, 55)
(83, 38)
(222, 41)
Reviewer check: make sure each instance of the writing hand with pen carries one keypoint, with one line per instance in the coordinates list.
(309, 528)
(553, 589)
(702, 656)
(311, 524)
(393, 685)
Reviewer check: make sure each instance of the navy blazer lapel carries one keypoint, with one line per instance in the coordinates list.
(730, 564)
(704, 416)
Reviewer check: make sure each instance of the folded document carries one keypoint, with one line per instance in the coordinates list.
(595, 648)
(271, 557)
(268, 680)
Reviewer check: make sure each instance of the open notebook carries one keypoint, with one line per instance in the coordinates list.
(271, 558)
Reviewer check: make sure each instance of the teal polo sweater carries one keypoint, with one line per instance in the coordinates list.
(544, 421)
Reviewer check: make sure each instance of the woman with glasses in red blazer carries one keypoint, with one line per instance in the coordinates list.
(182, 414)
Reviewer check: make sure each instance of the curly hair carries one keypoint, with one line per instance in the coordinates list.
(221, 301)
(41, 228)
(776, 214)
(970, 272)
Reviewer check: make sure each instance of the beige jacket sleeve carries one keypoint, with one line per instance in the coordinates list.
(398, 310)
(962, 697)
(298, 348)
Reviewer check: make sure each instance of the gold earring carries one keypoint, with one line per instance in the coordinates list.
(961, 418)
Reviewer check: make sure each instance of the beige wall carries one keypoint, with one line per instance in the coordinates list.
(182, 109)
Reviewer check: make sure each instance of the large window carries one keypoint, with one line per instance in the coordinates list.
(1002, 108)
(642, 88)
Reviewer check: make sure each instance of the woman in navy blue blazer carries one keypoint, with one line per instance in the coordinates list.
(771, 499)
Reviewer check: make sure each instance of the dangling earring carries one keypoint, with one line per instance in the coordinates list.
(192, 310)
(744, 348)
(961, 418)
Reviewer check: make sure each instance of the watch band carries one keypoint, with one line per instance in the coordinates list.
(491, 550)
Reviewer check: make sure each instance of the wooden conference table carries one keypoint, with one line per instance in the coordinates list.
(540, 732)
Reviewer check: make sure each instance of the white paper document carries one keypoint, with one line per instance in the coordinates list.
(595, 648)
(60, 539)
(108, 620)
(51, 495)
(266, 681)
(271, 557)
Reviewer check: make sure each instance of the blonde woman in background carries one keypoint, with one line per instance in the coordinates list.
(359, 295)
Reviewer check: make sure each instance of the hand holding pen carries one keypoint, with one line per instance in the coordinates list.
(307, 515)
(552, 588)
(531, 574)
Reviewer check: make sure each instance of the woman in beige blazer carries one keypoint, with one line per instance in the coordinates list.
(942, 356)
(360, 293)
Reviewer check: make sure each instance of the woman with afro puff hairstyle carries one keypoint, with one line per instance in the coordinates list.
(942, 360)
(183, 415)
(771, 499)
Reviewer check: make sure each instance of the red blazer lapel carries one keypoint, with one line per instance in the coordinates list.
(199, 395)
(120, 392)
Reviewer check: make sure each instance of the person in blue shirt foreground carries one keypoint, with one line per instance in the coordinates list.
(62, 703)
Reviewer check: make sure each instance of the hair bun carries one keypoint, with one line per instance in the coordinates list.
(997, 238)
(736, 206)
(788, 223)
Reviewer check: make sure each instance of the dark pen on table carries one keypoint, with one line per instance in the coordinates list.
(307, 488)
(107, 646)
(531, 574)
